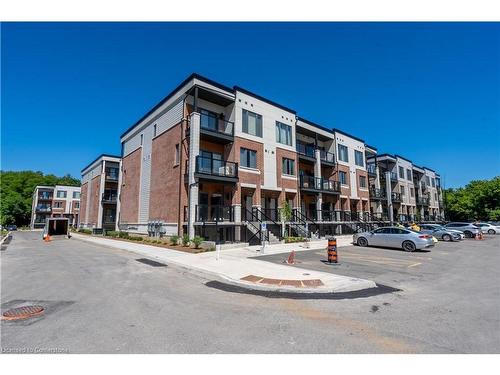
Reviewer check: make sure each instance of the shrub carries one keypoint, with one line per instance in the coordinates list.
(185, 240)
(123, 234)
(211, 248)
(174, 240)
(197, 240)
(135, 238)
(85, 231)
(293, 239)
(112, 233)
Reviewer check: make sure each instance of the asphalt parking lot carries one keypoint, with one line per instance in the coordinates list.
(103, 300)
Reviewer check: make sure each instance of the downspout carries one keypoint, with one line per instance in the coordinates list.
(180, 219)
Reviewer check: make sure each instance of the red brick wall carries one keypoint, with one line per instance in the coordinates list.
(345, 190)
(362, 193)
(58, 210)
(94, 200)
(129, 196)
(83, 202)
(164, 195)
(285, 183)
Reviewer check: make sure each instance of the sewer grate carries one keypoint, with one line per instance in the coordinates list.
(151, 262)
(23, 312)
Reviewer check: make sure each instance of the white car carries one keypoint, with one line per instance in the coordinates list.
(488, 228)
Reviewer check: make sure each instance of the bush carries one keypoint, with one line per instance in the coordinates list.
(185, 240)
(85, 231)
(123, 234)
(174, 240)
(211, 248)
(135, 238)
(293, 239)
(112, 233)
(197, 240)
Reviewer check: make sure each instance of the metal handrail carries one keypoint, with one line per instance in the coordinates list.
(218, 125)
(216, 167)
(327, 156)
(305, 149)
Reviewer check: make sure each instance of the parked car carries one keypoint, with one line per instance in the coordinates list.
(400, 238)
(470, 230)
(488, 228)
(442, 233)
(11, 227)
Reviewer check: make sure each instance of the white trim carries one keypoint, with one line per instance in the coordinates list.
(290, 190)
(249, 170)
(270, 188)
(248, 185)
(289, 177)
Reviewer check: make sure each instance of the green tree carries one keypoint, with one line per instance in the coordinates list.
(16, 193)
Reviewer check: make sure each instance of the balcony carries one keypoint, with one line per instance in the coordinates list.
(216, 169)
(422, 201)
(45, 197)
(216, 129)
(110, 197)
(208, 213)
(327, 158)
(311, 183)
(112, 175)
(378, 194)
(306, 152)
(371, 169)
(43, 209)
(394, 177)
(396, 197)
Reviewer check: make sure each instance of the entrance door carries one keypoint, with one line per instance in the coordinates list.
(270, 208)
(216, 207)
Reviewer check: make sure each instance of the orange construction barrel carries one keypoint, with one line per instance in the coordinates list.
(332, 250)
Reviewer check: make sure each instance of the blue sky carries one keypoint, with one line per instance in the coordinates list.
(427, 91)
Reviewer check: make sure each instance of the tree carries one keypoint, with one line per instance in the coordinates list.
(479, 199)
(16, 193)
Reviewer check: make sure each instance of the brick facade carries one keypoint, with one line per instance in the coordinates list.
(131, 179)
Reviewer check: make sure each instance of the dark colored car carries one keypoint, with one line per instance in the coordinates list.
(11, 227)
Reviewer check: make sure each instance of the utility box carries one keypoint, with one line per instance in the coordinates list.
(55, 226)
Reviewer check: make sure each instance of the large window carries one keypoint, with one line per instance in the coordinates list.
(402, 191)
(283, 133)
(76, 195)
(343, 178)
(288, 166)
(62, 194)
(428, 180)
(401, 172)
(408, 175)
(248, 158)
(358, 158)
(343, 156)
(433, 182)
(362, 182)
(412, 192)
(252, 123)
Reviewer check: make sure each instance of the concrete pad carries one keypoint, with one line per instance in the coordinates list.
(236, 264)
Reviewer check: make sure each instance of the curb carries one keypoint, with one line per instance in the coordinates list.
(5, 238)
(368, 284)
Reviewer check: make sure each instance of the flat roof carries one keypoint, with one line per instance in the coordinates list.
(100, 157)
(245, 91)
(401, 157)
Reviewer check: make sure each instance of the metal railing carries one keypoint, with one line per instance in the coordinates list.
(43, 209)
(423, 201)
(209, 213)
(327, 156)
(378, 193)
(216, 167)
(111, 176)
(371, 169)
(305, 149)
(394, 176)
(396, 197)
(317, 183)
(216, 125)
(110, 197)
(45, 197)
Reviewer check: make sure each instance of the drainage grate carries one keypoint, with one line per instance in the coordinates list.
(151, 262)
(22, 312)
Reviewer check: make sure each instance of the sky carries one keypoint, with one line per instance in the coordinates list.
(427, 91)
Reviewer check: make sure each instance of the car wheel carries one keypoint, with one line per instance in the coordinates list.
(409, 246)
(362, 242)
(491, 231)
(446, 237)
(468, 234)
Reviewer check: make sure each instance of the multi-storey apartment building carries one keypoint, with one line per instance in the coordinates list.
(219, 162)
(55, 201)
(99, 189)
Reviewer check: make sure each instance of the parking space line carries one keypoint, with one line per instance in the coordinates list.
(413, 265)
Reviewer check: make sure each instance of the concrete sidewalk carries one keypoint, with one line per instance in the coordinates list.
(237, 267)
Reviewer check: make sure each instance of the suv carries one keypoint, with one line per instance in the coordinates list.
(470, 230)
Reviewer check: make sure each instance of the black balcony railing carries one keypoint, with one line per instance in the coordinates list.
(321, 184)
(304, 149)
(327, 156)
(216, 125)
(216, 167)
(394, 176)
(110, 197)
(377, 193)
(112, 174)
(396, 197)
(371, 169)
(45, 197)
(43, 208)
(423, 201)
(205, 212)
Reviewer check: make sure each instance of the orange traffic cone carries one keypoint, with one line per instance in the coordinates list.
(291, 258)
(476, 237)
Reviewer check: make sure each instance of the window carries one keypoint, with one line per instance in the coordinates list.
(408, 175)
(435, 196)
(401, 172)
(343, 153)
(77, 204)
(248, 158)
(402, 191)
(343, 178)
(412, 192)
(288, 166)
(362, 182)
(358, 158)
(142, 138)
(177, 156)
(283, 133)
(427, 180)
(383, 231)
(433, 182)
(76, 195)
(252, 123)
(61, 194)
(57, 204)
(154, 130)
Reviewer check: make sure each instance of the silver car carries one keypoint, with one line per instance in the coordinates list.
(470, 230)
(442, 233)
(489, 228)
(400, 238)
